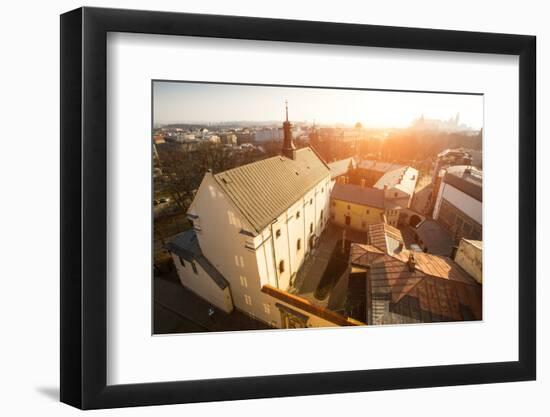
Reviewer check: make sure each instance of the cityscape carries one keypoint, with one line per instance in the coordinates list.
(300, 207)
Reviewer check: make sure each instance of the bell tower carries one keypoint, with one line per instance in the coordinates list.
(289, 150)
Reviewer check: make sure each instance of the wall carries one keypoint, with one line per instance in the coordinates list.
(246, 262)
(470, 206)
(30, 307)
(360, 216)
(470, 258)
(238, 264)
(201, 284)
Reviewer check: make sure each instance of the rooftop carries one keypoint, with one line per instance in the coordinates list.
(341, 167)
(403, 178)
(378, 166)
(467, 179)
(264, 189)
(386, 238)
(433, 289)
(357, 194)
(436, 239)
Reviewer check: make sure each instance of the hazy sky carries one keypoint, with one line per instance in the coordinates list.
(196, 102)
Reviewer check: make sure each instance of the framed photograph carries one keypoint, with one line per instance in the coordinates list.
(256, 208)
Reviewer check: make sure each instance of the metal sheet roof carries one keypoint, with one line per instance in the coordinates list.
(435, 237)
(365, 196)
(437, 289)
(467, 179)
(263, 190)
(385, 237)
(341, 167)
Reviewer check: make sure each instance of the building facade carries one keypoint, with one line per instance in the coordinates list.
(356, 207)
(458, 206)
(254, 226)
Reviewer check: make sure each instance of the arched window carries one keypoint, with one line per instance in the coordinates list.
(311, 227)
(299, 245)
(281, 266)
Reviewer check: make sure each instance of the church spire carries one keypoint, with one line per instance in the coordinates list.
(289, 150)
(286, 108)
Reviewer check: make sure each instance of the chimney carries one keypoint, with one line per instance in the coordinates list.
(411, 262)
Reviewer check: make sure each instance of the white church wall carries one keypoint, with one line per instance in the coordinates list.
(197, 280)
(233, 253)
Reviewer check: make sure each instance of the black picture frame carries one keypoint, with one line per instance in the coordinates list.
(84, 207)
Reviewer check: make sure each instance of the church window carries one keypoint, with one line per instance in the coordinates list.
(282, 266)
(278, 233)
(299, 245)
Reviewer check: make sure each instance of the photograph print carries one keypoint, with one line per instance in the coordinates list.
(287, 207)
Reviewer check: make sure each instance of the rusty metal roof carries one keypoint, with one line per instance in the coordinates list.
(385, 237)
(435, 289)
(263, 190)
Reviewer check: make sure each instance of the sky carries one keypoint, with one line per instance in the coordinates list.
(183, 102)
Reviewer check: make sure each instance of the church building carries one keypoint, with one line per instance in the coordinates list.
(253, 226)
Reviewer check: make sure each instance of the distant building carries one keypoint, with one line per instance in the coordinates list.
(451, 125)
(185, 137)
(268, 134)
(244, 136)
(228, 138)
(213, 138)
(458, 205)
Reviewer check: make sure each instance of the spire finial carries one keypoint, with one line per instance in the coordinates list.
(286, 108)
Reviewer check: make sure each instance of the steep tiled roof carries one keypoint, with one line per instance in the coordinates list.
(365, 196)
(434, 289)
(263, 190)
